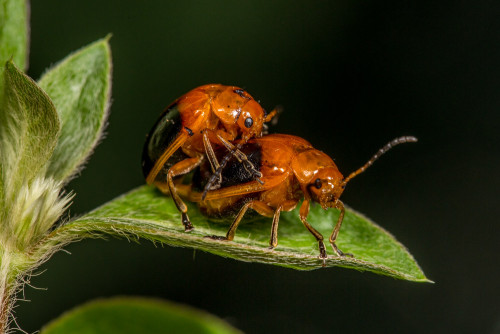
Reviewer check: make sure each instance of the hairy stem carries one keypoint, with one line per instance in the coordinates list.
(5, 298)
(4, 311)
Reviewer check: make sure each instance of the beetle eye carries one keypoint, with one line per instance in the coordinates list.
(317, 183)
(249, 122)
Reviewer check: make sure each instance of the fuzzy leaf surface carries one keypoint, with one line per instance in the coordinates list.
(146, 213)
(80, 87)
(136, 315)
(14, 37)
(29, 127)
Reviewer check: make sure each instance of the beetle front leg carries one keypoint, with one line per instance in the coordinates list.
(336, 230)
(235, 151)
(209, 151)
(303, 212)
(215, 180)
(181, 168)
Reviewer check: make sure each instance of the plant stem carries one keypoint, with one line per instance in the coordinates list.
(4, 305)
(4, 312)
(6, 289)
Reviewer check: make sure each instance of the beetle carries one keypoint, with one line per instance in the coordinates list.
(291, 169)
(184, 133)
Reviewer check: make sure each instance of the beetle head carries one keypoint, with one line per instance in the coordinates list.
(251, 120)
(239, 112)
(319, 176)
(326, 186)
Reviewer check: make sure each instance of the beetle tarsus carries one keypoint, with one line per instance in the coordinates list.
(186, 222)
(339, 252)
(322, 250)
(322, 253)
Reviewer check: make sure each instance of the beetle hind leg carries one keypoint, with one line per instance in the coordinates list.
(263, 209)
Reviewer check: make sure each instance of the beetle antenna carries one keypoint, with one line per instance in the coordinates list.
(380, 152)
(273, 115)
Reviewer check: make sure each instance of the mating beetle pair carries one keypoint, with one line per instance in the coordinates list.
(204, 129)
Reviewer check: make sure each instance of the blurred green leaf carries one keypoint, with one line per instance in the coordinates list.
(29, 128)
(14, 37)
(145, 213)
(80, 87)
(134, 316)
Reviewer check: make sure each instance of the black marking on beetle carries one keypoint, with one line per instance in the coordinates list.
(234, 172)
(163, 133)
(241, 93)
(190, 132)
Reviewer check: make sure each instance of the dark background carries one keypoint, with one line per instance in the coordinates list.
(351, 76)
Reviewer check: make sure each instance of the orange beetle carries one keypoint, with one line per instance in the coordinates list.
(291, 170)
(184, 133)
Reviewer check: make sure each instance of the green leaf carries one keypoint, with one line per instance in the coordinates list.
(80, 87)
(29, 127)
(13, 35)
(136, 315)
(14, 32)
(146, 213)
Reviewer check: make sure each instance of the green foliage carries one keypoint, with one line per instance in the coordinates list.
(41, 147)
(80, 87)
(13, 35)
(36, 157)
(145, 213)
(48, 130)
(29, 127)
(136, 315)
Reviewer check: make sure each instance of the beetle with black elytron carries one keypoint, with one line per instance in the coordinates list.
(184, 135)
(292, 169)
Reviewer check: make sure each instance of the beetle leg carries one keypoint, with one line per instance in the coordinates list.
(235, 151)
(234, 225)
(285, 206)
(181, 138)
(214, 164)
(259, 206)
(304, 211)
(216, 176)
(274, 228)
(336, 230)
(211, 184)
(181, 168)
